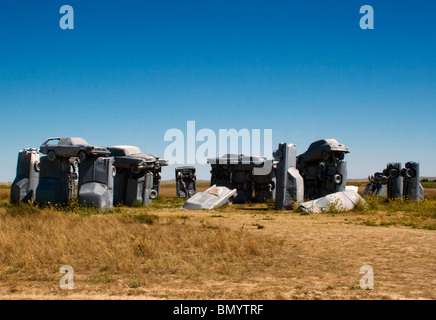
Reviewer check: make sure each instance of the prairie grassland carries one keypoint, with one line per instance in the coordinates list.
(429, 184)
(4, 193)
(235, 252)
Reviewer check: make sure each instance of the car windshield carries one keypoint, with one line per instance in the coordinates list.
(117, 152)
(132, 150)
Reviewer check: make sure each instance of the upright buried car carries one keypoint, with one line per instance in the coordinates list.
(23, 188)
(134, 170)
(71, 147)
(323, 168)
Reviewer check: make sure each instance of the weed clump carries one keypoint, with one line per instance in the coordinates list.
(22, 208)
(146, 218)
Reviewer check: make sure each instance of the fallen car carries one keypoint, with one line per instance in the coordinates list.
(340, 201)
(211, 198)
(71, 147)
(131, 157)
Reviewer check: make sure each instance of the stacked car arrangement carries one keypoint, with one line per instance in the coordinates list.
(123, 174)
(106, 175)
(396, 182)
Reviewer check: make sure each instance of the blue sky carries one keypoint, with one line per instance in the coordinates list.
(130, 70)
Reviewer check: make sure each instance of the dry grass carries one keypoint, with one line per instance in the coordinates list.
(234, 252)
(383, 212)
(430, 193)
(136, 248)
(5, 193)
(32, 243)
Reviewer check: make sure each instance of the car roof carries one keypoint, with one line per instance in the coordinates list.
(73, 141)
(67, 141)
(328, 144)
(127, 149)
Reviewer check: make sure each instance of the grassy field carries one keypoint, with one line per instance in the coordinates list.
(425, 184)
(246, 251)
(428, 184)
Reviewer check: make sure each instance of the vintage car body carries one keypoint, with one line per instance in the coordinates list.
(96, 182)
(211, 198)
(71, 147)
(237, 171)
(323, 168)
(23, 188)
(132, 167)
(322, 150)
(186, 181)
(342, 201)
(131, 157)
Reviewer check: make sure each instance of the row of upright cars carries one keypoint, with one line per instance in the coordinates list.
(107, 175)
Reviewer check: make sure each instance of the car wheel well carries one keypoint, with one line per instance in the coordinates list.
(51, 155)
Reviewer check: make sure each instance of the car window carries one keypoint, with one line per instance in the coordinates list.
(53, 142)
(117, 153)
(65, 142)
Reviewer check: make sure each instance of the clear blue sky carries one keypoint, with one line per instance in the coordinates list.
(130, 70)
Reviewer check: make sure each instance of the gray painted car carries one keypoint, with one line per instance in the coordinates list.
(131, 157)
(322, 150)
(341, 201)
(213, 197)
(71, 147)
